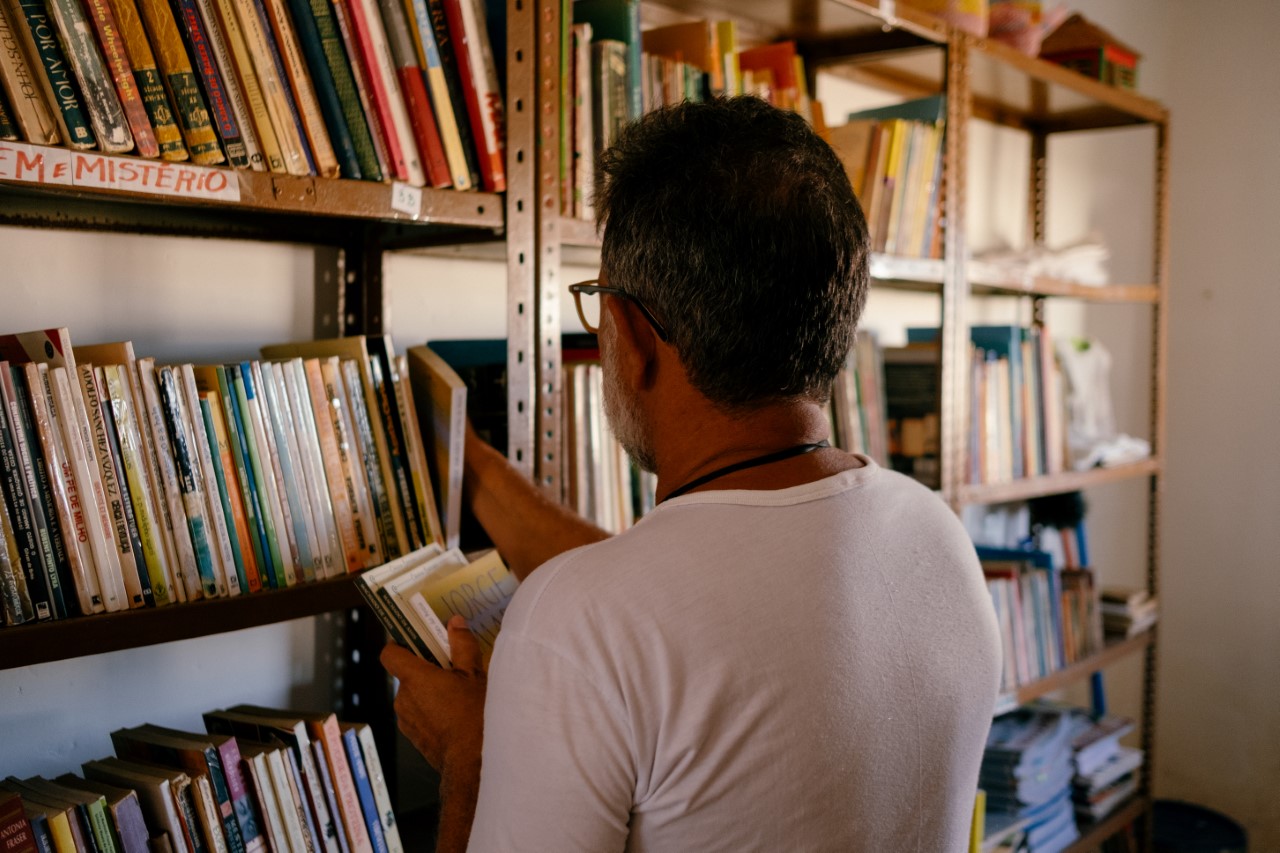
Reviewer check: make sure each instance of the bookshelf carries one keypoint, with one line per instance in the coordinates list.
(893, 48)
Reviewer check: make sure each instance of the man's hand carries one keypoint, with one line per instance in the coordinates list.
(441, 711)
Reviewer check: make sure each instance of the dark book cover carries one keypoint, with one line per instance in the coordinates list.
(196, 38)
(37, 568)
(58, 81)
(320, 59)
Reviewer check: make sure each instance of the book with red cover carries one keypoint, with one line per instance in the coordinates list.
(480, 88)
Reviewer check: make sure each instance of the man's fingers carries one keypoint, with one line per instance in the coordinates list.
(398, 660)
(464, 649)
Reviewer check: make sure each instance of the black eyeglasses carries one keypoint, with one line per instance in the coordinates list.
(589, 309)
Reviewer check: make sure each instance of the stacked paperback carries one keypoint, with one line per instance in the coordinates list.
(256, 780)
(1106, 773)
(1127, 612)
(1026, 773)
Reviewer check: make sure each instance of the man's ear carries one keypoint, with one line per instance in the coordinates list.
(634, 341)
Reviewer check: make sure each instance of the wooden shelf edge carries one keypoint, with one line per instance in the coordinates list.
(1054, 484)
(1093, 836)
(580, 233)
(1077, 671)
(44, 642)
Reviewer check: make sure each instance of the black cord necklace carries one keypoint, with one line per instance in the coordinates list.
(776, 456)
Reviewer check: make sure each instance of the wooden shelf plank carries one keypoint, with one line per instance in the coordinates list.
(1091, 837)
(1053, 484)
(24, 645)
(580, 233)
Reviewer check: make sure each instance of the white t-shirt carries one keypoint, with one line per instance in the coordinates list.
(807, 669)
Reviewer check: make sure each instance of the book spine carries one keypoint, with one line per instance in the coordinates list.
(65, 492)
(19, 79)
(389, 414)
(285, 457)
(384, 91)
(116, 56)
(330, 737)
(43, 518)
(23, 529)
(324, 798)
(363, 515)
(202, 462)
(264, 477)
(360, 78)
(294, 570)
(150, 84)
(418, 468)
(392, 538)
(271, 79)
(244, 477)
(195, 37)
(184, 464)
(132, 452)
(344, 85)
(103, 832)
(320, 64)
(353, 545)
(126, 499)
(381, 793)
(8, 129)
(241, 800)
(13, 583)
(324, 160)
(226, 465)
(424, 41)
(234, 531)
(480, 89)
(186, 584)
(450, 70)
(225, 61)
(422, 121)
(101, 99)
(40, 40)
(364, 790)
(247, 78)
(180, 80)
(303, 435)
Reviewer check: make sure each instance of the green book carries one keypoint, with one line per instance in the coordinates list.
(245, 393)
(59, 84)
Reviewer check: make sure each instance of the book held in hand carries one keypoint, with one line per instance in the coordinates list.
(416, 595)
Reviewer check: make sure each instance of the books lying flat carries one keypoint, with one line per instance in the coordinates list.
(416, 596)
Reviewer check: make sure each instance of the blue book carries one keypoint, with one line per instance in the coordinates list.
(319, 55)
(364, 789)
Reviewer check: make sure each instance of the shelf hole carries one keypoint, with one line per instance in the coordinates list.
(520, 406)
(480, 209)
(519, 455)
(521, 257)
(519, 105)
(520, 205)
(519, 55)
(520, 305)
(520, 357)
(520, 155)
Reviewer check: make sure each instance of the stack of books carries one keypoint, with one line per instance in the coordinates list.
(262, 780)
(1128, 611)
(1026, 773)
(1106, 773)
(125, 483)
(365, 89)
(858, 408)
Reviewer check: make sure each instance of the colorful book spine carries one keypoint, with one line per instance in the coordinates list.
(21, 84)
(277, 419)
(272, 518)
(252, 18)
(340, 500)
(224, 563)
(320, 64)
(323, 157)
(58, 83)
(126, 498)
(364, 789)
(422, 120)
(196, 38)
(185, 465)
(244, 479)
(102, 101)
(180, 80)
(363, 87)
(8, 126)
(116, 56)
(344, 84)
(290, 548)
(480, 88)
(255, 99)
(236, 532)
(424, 42)
(219, 41)
(149, 83)
(448, 51)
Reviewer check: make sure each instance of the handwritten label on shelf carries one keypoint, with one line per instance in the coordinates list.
(406, 199)
(61, 167)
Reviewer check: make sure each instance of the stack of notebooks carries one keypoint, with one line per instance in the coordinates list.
(376, 90)
(1128, 611)
(1106, 773)
(261, 780)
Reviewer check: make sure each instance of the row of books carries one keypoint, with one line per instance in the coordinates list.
(384, 90)
(893, 156)
(612, 73)
(257, 780)
(125, 483)
(858, 406)
(1048, 771)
